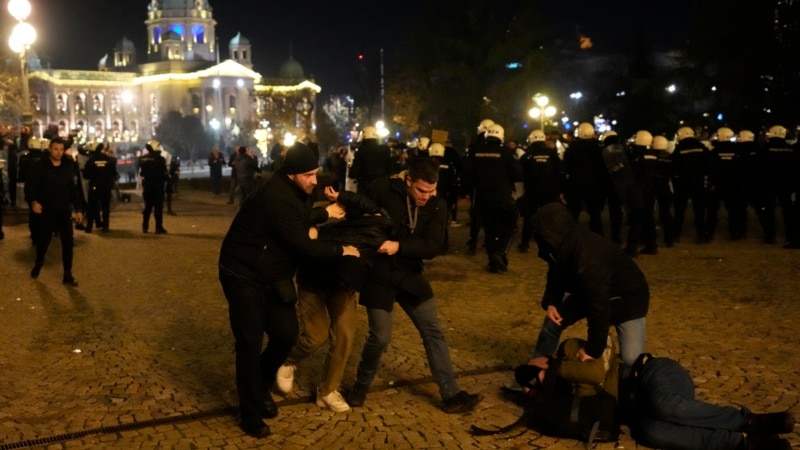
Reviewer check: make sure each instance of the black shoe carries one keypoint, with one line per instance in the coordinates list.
(161, 231)
(357, 395)
(144, 230)
(105, 230)
(766, 443)
(70, 281)
(632, 252)
(768, 423)
(787, 246)
(523, 248)
(461, 402)
(35, 271)
(79, 226)
(88, 230)
(270, 410)
(257, 429)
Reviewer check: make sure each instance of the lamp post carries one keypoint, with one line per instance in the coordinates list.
(543, 109)
(22, 37)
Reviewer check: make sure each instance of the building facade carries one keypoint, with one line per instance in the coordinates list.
(123, 100)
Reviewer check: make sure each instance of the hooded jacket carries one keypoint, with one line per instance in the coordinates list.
(609, 286)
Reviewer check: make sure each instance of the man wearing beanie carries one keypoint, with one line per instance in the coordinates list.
(260, 254)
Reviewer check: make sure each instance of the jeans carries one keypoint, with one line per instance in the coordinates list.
(425, 319)
(322, 314)
(631, 334)
(669, 417)
(254, 309)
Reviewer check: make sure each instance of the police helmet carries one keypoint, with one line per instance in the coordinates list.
(537, 136)
(585, 131)
(370, 133)
(483, 127)
(684, 132)
(38, 143)
(496, 131)
(746, 136)
(777, 131)
(423, 143)
(99, 147)
(607, 134)
(153, 146)
(436, 149)
(659, 143)
(643, 138)
(724, 134)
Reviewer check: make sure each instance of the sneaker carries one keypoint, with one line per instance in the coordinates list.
(769, 423)
(333, 401)
(461, 402)
(285, 378)
(357, 395)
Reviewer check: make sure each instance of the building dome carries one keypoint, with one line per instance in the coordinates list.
(239, 40)
(291, 69)
(182, 4)
(124, 44)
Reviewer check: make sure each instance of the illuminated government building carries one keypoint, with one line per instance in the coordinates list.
(122, 101)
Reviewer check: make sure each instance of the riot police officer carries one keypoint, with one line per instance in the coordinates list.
(585, 177)
(491, 175)
(541, 180)
(153, 170)
(690, 163)
(101, 173)
(645, 167)
(625, 189)
(726, 186)
(778, 159)
(371, 161)
(475, 224)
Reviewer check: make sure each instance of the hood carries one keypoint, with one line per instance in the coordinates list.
(554, 227)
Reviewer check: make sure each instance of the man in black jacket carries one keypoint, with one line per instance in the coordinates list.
(153, 169)
(260, 254)
(419, 219)
(101, 173)
(51, 191)
(588, 276)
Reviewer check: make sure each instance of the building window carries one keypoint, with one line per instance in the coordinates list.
(177, 29)
(157, 35)
(199, 34)
(35, 101)
(80, 103)
(115, 104)
(232, 102)
(244, 55)
(62, 103)
(97, 103)
(153, 104)
(235, 55)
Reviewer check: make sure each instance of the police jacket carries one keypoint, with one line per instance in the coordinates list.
(400, 275)
(268, 238)
(541, 170)
(101, 171)
(584, 166)
(609, 286)
(372, 161)
(153, 168)
(491, 173)
(780, 163)
(725, 169)
(690, 160)
(54, 187)
(645, 166)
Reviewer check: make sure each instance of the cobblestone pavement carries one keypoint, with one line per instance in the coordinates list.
(141, 354)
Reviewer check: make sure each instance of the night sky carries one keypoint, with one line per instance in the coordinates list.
(75, 34)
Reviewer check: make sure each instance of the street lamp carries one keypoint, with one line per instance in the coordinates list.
(543, 110)
(22, 37)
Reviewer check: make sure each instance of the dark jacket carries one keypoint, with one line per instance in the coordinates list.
(268, 238)
(153, 168)
(541, 170)
(491, 172)
(215, 164)
(101, 171)
(54, 187)
(690, 161)
(584, 167)
(372, 161)
(400, 275)
(609, 285)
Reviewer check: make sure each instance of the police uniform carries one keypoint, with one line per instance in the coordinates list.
(690, 163)
(153, 169)
(541, 179)
(101, 172)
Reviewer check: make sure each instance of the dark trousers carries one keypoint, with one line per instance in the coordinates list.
(153, 203)
(256, 308)
(766, 203)
(216, 184)
(44, 226)
(499, 222)
(735, 206)
(696, 191)
(669, 416)
(594, 197)
(98, 208)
